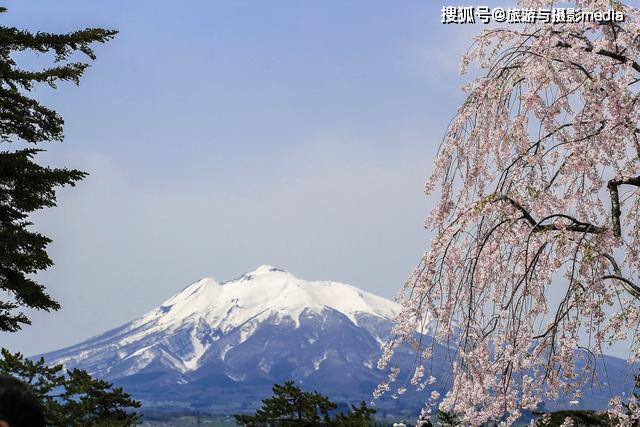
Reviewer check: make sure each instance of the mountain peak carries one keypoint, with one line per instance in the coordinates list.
(265, 272)
(206, 311)
(266, 268)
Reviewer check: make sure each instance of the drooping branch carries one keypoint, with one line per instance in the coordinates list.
(537, 226)
(623, 59)
(629, 286)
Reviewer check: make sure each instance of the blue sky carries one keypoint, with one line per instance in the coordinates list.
(222, 135)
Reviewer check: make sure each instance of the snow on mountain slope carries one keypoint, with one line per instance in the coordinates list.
(221, 347)
(185, 327)
(257, 294)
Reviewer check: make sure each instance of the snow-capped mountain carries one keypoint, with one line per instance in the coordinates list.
(221, 346)
(241, 337)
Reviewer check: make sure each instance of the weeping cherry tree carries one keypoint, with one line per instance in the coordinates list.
(534, 267)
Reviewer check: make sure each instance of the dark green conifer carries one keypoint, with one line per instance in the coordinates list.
(360, 416)
(68, 397)
(448, 419)
(72, 398)
(291, 406)
(25, 186)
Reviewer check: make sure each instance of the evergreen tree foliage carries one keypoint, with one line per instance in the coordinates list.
(72, 398)
(68, 397)
(580, 418)
(290, 405)
(448, 419)
(360, 415)
(25, 186)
